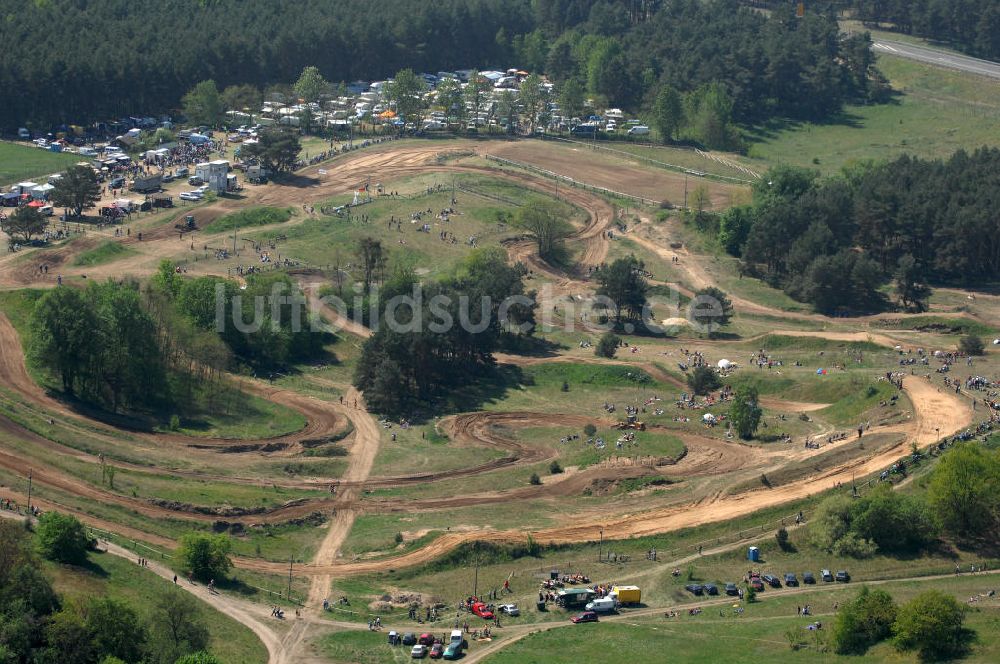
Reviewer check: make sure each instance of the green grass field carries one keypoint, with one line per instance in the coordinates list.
(760, 634)
(250, 217)
(935, 113)
(19, 163)
(106, 252)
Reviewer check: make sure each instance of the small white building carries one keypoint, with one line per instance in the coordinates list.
(213, 173)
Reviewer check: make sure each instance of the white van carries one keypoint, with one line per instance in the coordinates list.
(88, 152)
(603, 605)
(638, 130)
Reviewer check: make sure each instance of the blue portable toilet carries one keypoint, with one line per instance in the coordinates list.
(753, 554)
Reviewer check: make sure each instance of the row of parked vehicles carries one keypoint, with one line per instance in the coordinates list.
(427, 645)
(759, 581)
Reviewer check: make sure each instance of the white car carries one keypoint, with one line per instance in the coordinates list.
(510, 609)
(191, 196)
(419, 651)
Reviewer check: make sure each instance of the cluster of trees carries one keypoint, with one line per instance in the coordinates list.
(37, 625)
(435, 337)
(962, 501)
(969, 25)
(264, 326)
(700, 66)
(129, 349)
(836, 242)
(930, 624)
(151, 54)
(101, 343)
(883, 520)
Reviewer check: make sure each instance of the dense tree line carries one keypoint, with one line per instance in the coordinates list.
(836, 242)
(39, 626)
(728, 63)
(443, 334)
(969, 25)
(725, 62)
(66, 61)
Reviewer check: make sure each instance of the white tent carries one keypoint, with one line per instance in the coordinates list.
(708, 418)
(725, 364)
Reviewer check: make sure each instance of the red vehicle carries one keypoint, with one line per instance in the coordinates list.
(585, 617)
(437, 650)
(756, 583)
(426, 640)
(480, 610)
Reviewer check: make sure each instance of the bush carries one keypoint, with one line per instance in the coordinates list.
(399, 538)
(205, 556)
(535, 479)
(863, 622)
(931, 624)
(555, 468)
(608, 345)
(703, 380)
(199, 658)
(750, 595)
(964, 508)
(589, 430)
(61, 537)
(971, 345)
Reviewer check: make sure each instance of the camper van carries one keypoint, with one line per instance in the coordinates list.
(603, 605)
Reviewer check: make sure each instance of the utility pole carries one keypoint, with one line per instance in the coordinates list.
(475, 583)
(600, 547)
(29, 491)
(288, 595)
(685, 191)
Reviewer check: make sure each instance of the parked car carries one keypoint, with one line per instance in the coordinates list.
(453, 651)
(756, 583)
(195, 181)
(639, 130)
(711, 589)
(771, 580)
(732, 590)
(826, 575)
(510, 609)
(694, 588)
(191, 196)
(182, 172)
(409, 639)
(807, 577)
(167, 177)
(117, 182)
(791, 580)
(585, 617)
(437, 650)
(419, 651)
(480, 610)
(426, 639)
(843, 576)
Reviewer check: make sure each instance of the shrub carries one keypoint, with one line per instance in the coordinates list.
(589, 430)
(971, 345)
(205, 556)
(931, 624)
(703, 380)
(608, 345)
(535, 479)
(863, 622)
(399, 538)
(781, 537)
(555, 468)
(199, 658)
(61, 537)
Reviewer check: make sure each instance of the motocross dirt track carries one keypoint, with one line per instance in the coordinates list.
(936, 413)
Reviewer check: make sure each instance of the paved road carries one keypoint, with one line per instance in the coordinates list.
(937, 57)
